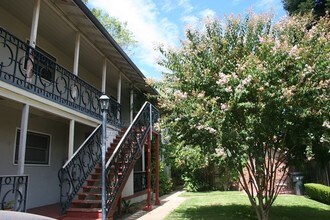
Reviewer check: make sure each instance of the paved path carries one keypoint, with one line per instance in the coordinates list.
(168, 204)
(11, 215)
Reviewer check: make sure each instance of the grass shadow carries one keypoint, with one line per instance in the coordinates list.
(246, 212)
(228, 212)
(280, 212)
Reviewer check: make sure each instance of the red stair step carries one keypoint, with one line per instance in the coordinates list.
(87, 205)
(86, 201)
(87, 213)
(82, 196)
(89, 188)
(93, 182)
(96, 175)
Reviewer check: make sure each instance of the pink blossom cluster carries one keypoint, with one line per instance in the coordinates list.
(245, 82)
(224, 107)
(223, 79)
(326, 124)
(207, 128)
(294, 52)
(288, 92)
(220, 152)
(179, 94)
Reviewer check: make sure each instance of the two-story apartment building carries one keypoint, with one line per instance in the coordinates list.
(56, 60)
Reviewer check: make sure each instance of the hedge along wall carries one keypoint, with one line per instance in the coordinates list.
(318, 192)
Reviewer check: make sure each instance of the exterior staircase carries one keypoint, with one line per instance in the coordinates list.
(81, 178)
(88, 202)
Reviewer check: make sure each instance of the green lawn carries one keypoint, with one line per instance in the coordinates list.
(236, 206)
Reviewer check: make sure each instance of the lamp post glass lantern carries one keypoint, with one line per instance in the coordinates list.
(104, 102)
(104, 105)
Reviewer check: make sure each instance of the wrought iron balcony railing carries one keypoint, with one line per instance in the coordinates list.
(13, 192)
(35, 71)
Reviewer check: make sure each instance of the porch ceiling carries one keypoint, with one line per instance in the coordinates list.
(34, 112)
(63, 34)
(87, 24)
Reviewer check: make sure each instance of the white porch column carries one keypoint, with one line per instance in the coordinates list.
(26, 107)
(104, 75)
(35, 21)
(119, 89)
(76, 54)
(131, 104)
(22, 139)
(74, 92)
(71, 138)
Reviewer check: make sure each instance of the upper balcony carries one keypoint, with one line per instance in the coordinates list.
(32, 70)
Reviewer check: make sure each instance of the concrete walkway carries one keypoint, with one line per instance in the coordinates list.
(11, 215)
(168, 204)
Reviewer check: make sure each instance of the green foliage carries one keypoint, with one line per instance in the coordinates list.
(318, 192)
(127, 206)
(226, 178)
(251, 95)
(198, 167)
(116, 28)
(195, 182)
(165, 182)
(318, 7)
(216, 177)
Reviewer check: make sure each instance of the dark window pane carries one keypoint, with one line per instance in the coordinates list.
(44, 64)
(37, 148)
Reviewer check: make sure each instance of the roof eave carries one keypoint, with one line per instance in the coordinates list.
(105, 33)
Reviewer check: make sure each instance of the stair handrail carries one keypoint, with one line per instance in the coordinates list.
(76, 170)
(130, 127)
(132, 140)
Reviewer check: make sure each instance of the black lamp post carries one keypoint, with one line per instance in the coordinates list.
(104, 105)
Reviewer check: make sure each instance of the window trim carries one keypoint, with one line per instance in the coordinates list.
(33, 164)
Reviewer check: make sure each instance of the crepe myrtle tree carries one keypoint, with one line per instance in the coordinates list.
(255, 93)
(317, 7)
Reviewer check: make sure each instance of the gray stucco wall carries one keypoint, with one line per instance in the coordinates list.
(43, 185)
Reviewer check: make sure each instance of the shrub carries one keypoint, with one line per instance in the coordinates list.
(127, 206)
(195, 184)
(165, 181)
(165, 184)
(318, 192)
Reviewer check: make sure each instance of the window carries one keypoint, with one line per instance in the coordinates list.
(44, 64)
(37, 148)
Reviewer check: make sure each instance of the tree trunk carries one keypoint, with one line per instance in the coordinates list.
(262, 213)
